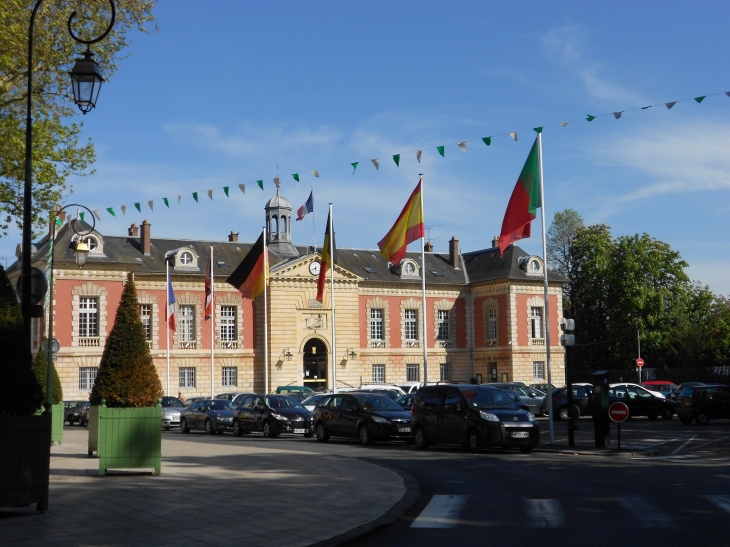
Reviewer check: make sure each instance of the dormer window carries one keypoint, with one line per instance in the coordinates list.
(186, 258)
(183, 259)
(95, 243)
(531, 264)
(409, 268)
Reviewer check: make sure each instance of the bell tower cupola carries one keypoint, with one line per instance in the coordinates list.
(278, 224)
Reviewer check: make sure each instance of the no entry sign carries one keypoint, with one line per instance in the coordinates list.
(618, 412)
(639, 362)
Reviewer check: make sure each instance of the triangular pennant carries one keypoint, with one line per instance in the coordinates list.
(563, 124)
(111, 211)
(670, 105)
(260, 183)
(462, 146)
(645, 107)
(296, 177)
(151, 203)
(590, 118)
(396, 159)
(617, 115)
(124, 209)
(242, 187)
(97, 215)
(487, 140)
(700, 99)
(178, 200)
(195, 196)
(166, 202)
(354, 166)
(513, 134)
(58, 221)
(315, 173)
(727, 93)
(441, 151)
(225, 191)
(537, 129)
(210, 194)
(418, 155)
(138, 206)
(81, 216)
(376, 163)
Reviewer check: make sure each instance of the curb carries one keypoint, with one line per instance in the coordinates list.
(605, 453)
(409, 499)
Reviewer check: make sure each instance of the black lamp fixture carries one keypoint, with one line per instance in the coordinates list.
(86, 81)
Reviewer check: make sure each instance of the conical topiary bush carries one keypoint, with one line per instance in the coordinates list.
(20, 393)
(127, 375)
(40, 368)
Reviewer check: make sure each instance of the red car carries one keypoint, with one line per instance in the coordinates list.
(665, 387)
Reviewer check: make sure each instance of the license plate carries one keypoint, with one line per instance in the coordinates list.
(300, 431)
(404, 430)
(520, 434)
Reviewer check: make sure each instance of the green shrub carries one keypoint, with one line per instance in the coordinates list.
(127, 376)
(40, 367)
(20, 393)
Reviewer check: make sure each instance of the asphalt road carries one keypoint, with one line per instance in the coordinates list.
(678, 495)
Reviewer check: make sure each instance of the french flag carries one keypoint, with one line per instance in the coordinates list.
(308, 207)
(170, 303)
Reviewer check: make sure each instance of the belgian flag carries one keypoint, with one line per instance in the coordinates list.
(327, 261)
(252, 273)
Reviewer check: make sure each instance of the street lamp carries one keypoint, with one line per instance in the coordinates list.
(86, 82)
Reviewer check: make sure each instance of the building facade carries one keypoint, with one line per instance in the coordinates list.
(485, 315)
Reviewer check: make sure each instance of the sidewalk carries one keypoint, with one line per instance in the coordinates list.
(207, 494)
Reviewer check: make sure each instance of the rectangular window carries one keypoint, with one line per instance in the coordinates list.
(445, 372)
(87, 377)
(538, 370)
(443, 324)
(492, 324)
(187, 376)
(413, 373)
(186, 325)
(378, 374)
(229, 332)
(411, 325)
(376, 324)
(536, 322)
(145, 312)
(88, 317)
(230, 376)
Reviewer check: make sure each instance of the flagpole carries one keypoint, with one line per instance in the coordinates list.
(212, 328)
(314, 228)
(167, 322)
(331, 231)
(545, 283)
(266, 317)
(423, 286)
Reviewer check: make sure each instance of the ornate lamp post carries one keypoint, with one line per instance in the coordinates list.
(86, 82)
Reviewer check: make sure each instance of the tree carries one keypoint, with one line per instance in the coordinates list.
(20, 393)
(127, 376)
(40, 368)
(57, 148)
(559, 243)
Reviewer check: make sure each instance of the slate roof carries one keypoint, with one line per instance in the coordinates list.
(487, 265)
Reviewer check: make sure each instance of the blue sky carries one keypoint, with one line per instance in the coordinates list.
(227, 91)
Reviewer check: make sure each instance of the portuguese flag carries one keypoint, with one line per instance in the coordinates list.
(408, 228)
(525, 200)
(251, 275)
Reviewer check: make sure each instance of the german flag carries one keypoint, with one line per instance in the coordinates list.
(252, 273)
(408, 228)
(326, 261)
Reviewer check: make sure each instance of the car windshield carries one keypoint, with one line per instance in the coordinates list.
(312, 400)
(661, 388)
(377, 402)
(489, 398)
(172, 402)
(219, 404)
(282, 401)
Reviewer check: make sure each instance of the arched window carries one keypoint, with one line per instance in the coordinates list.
(283, 224)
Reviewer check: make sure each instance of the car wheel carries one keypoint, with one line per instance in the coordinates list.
(667, 414)
(237, 432)
(702, 418)
(652, 417)
(686, 421)
(184, 426)
(564, 414)
(420, 439)
(321, 431)
(267, 430)
(476, 443)
(526, 449)
(365, 436)
(208, 427)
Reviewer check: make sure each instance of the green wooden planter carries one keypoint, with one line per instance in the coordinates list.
(57, 422)
(125, 438)
(25, 457)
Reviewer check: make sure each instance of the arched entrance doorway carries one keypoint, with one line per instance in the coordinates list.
(315, 364)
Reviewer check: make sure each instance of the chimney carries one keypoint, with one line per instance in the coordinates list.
(428, 247)
(133, 230)
(233, 238)
(495, 242)
(454, 252)
(144, 238)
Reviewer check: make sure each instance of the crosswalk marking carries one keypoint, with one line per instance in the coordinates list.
(723, 502)
(649, 516)
(544, 514)
(441, 512)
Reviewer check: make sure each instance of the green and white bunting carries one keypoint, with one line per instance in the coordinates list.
(396, 159)
(441, 150)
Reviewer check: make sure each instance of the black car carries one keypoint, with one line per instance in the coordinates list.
(406, 401)
(211, 415)
(641, 401)
(79, 414)
(703, 403)
(581, 400)
(272, 415)
(474, 416)
(674, 395)
(365, 416)
(68, 409)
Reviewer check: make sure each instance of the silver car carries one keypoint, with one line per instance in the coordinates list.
(531, 398)
(171, 408)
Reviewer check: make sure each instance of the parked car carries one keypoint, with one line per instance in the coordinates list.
(704, 403)
(310, 402)
(171, 409)
(675, 394)
(406, 401)
(542, 388)
(641, 401)
(475, 416)
(388, 387)
(581, 400)
(534, 400)
(190, 400)
(392, 394)
(68, 407)
(410, 387)
(365, 416)
(665, 387)
(79, 414)
(272, 415)
(211, 415)
(286, 390)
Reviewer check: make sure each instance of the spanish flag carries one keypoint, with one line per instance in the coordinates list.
(408, 228)
(326, 261)
(252, 273)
